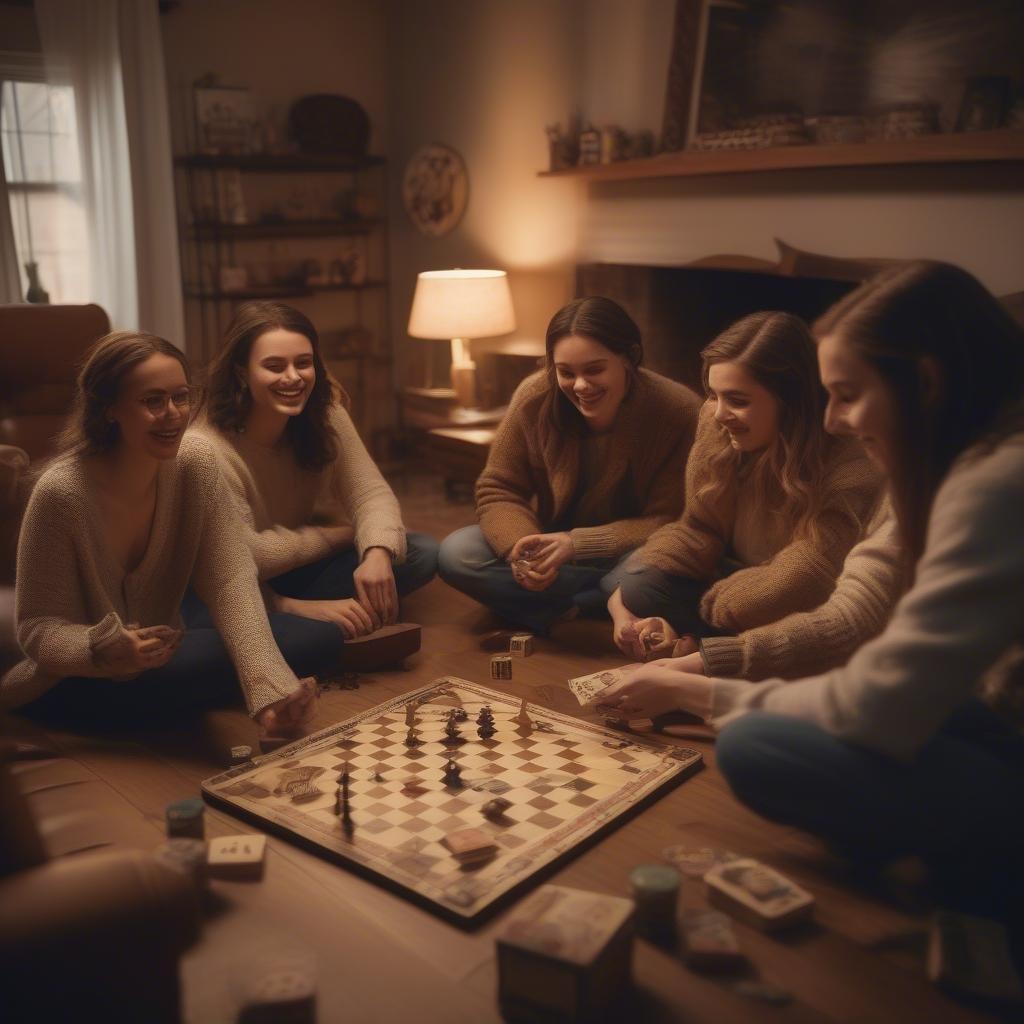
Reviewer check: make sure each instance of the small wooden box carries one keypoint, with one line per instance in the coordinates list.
(565, 956)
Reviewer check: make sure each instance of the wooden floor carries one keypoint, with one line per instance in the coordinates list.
(382, 960)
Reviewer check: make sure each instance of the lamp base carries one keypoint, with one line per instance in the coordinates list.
(464, 384)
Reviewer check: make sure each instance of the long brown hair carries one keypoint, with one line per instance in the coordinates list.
(603, 321)
(88, 430)
(777, 350)
(929, 312)
(228, 401)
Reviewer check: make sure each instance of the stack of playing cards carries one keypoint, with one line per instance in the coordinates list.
(757, 894)
(710, 942)
(470, 846)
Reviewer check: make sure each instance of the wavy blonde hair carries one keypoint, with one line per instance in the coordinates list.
(777, 350)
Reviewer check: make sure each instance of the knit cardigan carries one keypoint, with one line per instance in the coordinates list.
(961, 622)
(800, 571)
(279, 502)
(532, 474)
(803, 643)
(72, 596)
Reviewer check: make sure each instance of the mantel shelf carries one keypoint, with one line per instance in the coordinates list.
(975, 147)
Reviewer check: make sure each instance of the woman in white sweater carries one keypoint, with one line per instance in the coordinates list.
(116, 529)
(324, 527)
(893, 753)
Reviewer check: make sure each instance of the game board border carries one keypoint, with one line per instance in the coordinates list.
(452, 916)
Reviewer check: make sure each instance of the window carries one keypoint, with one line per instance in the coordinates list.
(43, 172)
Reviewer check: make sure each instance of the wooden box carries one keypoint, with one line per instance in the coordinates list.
(565, 956)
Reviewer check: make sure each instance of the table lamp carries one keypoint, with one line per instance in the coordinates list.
(459, 305)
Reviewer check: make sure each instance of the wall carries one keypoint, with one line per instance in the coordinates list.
(485, 77)
(972, 216)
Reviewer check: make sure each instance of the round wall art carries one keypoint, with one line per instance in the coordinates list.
(435, 189)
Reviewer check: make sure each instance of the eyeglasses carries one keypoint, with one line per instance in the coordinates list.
(156, 403)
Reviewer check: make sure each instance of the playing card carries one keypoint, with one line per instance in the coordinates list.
(585, 688)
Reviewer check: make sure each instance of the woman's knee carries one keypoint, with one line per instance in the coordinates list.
(462, 554)
(750, 749)
(310, 646)
(420, 565)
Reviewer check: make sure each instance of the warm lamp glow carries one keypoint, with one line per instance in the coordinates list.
(456, 306)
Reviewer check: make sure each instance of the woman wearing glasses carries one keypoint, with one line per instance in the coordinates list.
(123, 521)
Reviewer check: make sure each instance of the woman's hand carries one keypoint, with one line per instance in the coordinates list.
(375, 585)
(623, 626)
(536, 559)
(649, 638)
(657, 688)
(351, 617)
(291, 716)
(135, 650)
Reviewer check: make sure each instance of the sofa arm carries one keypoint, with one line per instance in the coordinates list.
(102, 930)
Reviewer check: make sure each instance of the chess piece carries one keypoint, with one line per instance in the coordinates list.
(410, 714)
(459, 714)
(485, 722)
(523, 719)
(412, 737)
(451, 731)
(452, 774)
(494, 810)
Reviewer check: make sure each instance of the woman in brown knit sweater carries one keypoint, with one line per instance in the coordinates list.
(588, 461)
(773, 504)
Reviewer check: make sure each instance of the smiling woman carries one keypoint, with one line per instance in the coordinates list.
(123, 521)
(576, 478)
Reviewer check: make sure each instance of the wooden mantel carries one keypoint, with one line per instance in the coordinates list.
(974, 147)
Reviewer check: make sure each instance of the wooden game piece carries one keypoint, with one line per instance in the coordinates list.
(494, 810)
(565, 955)
(970, 956)
(710, 942)
(523, 719)
(239, 858)
(187, 856)
(346, 810)
(501, 666)
(460, 714)
(470, 845)
(757, 894)
(410, 714)
(655, 890)
(412, 737)
(283, 993)
(520, 645)
(185, 819)
(453, 736)
(241, 754)
(452, 774)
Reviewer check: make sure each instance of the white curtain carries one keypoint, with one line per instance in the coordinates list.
(110, 52)
(10, 278)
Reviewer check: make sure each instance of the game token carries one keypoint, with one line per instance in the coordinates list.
(501, 666)
(241, 754)
(280, 992)
(494, 810)
(520, 645)
(187, 856)
(236, 857)
(655, 890)
(185, 819)
(710, 942)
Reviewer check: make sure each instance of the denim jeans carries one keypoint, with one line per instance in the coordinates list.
(957, 804)
(468, 563)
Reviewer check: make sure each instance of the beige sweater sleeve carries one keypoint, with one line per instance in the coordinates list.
(371, 504)
(803, 574)
(693, 544)
(53, 630)
(224, 577)
(503, 491)
(805, 643)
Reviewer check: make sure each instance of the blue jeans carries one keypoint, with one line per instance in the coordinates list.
(957, 804)
(199, 675)
(468, 563)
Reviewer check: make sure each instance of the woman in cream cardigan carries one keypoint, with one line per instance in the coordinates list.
(587, 462)
(116, 529)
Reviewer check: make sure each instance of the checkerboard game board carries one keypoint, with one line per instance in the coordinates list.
(567, 782)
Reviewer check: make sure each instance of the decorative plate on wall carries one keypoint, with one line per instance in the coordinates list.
(435, 189)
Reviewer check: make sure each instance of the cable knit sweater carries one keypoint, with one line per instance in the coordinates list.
(961, 621)
(279, 501)
(807, 642)
(532, 478)
(72, 596)
(784, 574)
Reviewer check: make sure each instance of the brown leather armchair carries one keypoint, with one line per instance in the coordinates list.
(41, 348)
(95, 934)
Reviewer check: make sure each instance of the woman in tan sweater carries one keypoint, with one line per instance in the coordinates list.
(323, 525)
(587, 462)
(773, 503)
(115, 530)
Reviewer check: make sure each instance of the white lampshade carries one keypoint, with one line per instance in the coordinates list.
(461, 304)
